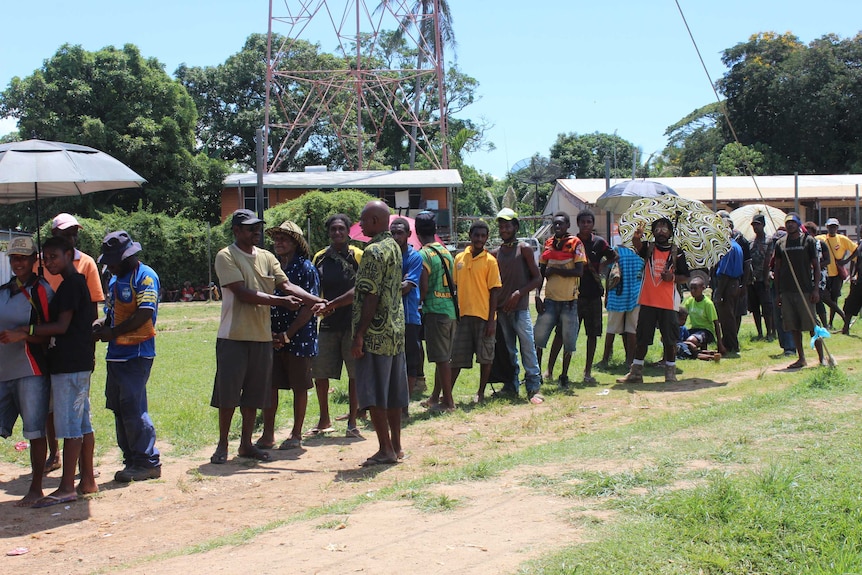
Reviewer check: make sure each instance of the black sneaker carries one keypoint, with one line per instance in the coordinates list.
(130, 474)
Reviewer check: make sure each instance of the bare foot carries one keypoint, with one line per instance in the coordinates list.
(29, 499)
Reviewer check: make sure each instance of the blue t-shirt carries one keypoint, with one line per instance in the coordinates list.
(135, 290)
(731, 263)
(624, 297)
(411, 269)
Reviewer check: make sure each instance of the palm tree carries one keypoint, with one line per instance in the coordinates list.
(419, 20)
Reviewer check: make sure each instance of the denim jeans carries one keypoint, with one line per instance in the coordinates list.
(517, 327)
(126, 393)
(564, 313)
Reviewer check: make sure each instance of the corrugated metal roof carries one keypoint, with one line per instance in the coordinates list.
(358, 180)
(737, 189)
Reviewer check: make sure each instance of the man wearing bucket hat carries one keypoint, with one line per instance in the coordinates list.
(129, 327)
(248, 277)
(294, 335)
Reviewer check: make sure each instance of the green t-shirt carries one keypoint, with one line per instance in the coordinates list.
(701, 314)
(380, 274)
(439, 298)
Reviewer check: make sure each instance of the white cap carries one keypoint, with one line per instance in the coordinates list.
(832, 222)
(65, 221)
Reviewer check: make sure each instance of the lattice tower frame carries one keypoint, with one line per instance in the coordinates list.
(355, 88)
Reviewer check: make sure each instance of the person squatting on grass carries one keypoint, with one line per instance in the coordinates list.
(25, 387)
(478, 279)
(703, 318)
(796, 257)
(519, 275)
(248, 276)
(438, 310)
(294, 336)
(665, 267)
(129, 327)
(378, 334)
(66, 226)
(562, 264)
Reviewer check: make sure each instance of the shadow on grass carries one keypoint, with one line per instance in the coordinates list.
(684, 384)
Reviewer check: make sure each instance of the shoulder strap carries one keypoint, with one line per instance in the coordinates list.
(453, 290)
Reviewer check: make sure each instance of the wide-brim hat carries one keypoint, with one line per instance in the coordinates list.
(116, 247)
(295, 232)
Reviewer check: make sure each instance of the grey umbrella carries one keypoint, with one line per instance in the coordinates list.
(38, 168)
(619, 197)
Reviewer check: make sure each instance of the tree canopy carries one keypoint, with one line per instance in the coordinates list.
(119, 102)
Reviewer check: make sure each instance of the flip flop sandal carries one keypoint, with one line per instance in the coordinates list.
(255, 453)
(218, 457)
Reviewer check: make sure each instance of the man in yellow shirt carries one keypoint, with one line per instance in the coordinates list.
(477, 276)
(841, 250)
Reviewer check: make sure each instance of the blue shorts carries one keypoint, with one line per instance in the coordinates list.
(27, 396)
(71, 395)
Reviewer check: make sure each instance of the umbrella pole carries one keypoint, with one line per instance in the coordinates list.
(38, 230)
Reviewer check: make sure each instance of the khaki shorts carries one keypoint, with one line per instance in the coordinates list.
(333, 350)
(623, 321)
(469, 339)
(439, 336)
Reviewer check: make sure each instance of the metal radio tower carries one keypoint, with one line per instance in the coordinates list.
(353, 103)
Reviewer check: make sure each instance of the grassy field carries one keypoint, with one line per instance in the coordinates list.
(755, 476)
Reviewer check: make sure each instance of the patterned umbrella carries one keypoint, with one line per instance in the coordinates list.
(742, 219)
(698, 231)
(619, 197)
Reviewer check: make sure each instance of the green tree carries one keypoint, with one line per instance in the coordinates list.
(738, 160)
(800, 101)
(696, 141)
(119, 102)
(583, 156)
(311, 209)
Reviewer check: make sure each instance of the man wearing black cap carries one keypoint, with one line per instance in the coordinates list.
(248, 277)
(132, 304)
(796, 263)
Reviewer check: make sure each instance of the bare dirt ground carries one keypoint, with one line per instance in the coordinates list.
(495, 525)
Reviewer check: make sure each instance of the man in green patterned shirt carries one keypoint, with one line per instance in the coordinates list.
(378, 334)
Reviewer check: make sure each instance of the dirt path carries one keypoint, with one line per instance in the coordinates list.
(494, 526)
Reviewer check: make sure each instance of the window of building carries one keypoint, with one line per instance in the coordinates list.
(395, 198)
(249, 199)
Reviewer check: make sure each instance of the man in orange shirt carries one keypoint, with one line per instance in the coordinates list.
(665, 268)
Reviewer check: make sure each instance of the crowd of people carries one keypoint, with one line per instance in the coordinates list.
(291, 320)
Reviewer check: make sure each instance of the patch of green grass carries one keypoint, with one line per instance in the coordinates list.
(431, 502)
(332, 524)
(826, 378)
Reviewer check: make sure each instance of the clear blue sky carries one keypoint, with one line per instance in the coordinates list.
(544, 67)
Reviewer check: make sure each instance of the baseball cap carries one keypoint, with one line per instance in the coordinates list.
(244, 217)
(65, 221)
(759, 219)
(507, 214)
(21, 246)
(792, 217)
(832, 222)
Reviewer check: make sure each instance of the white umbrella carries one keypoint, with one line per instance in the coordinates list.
(38, 168)
(742, 217)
